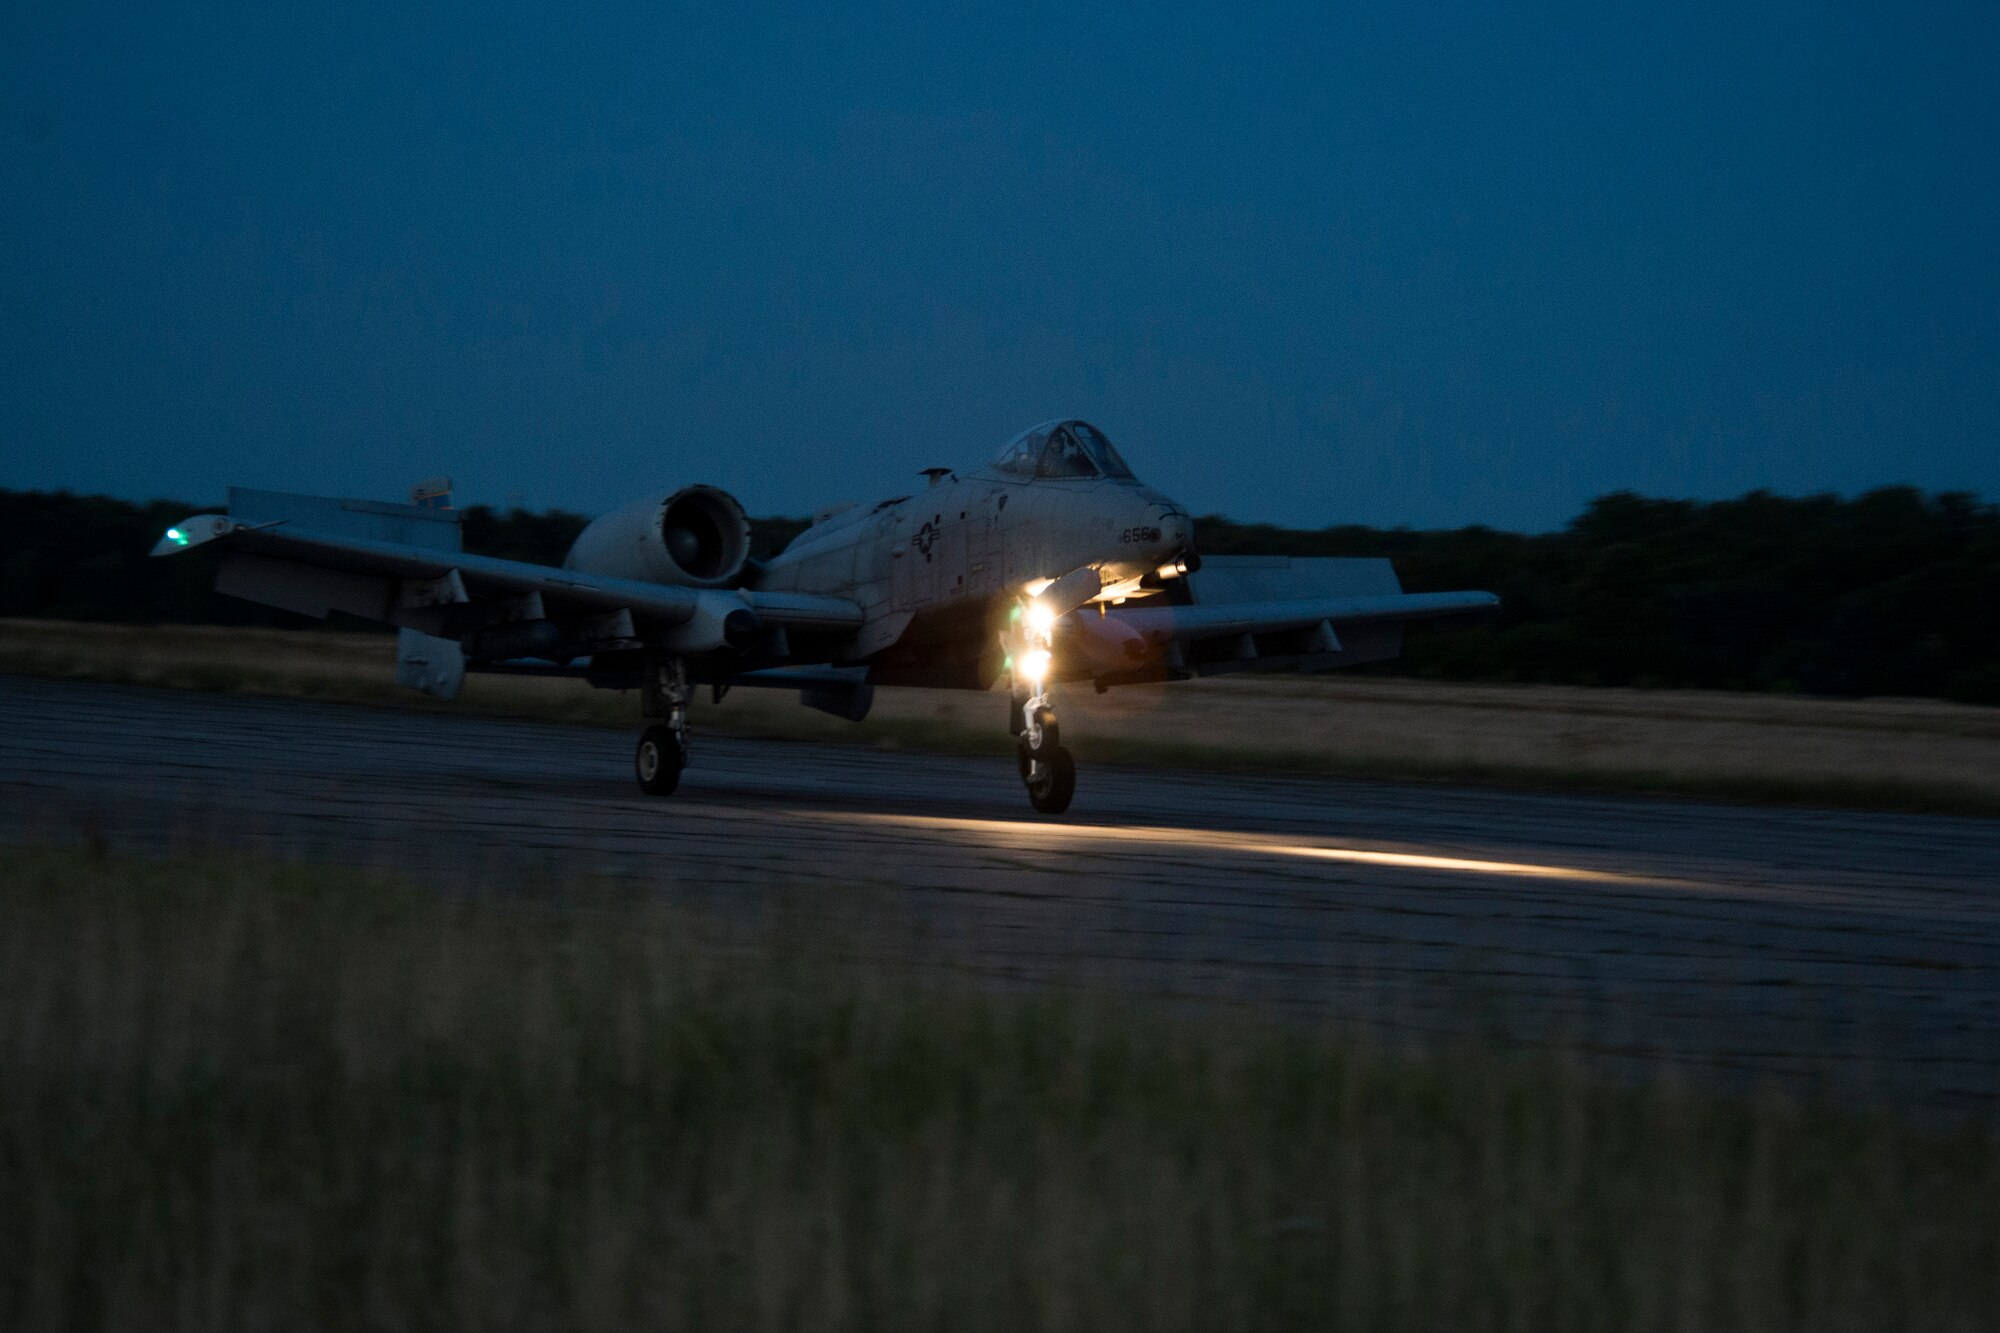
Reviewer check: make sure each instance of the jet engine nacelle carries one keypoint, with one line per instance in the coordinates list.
(698, 537)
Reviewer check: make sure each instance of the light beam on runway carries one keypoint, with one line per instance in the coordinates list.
(1220, 840)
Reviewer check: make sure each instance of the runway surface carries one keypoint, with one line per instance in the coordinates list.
(1856, 951)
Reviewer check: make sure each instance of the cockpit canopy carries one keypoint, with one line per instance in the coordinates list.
(1062, 450)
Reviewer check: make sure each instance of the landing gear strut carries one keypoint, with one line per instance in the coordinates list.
(663, 747)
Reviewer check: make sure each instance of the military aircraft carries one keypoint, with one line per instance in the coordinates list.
(1052, 564)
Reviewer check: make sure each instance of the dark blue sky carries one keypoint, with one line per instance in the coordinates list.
(1388, 264)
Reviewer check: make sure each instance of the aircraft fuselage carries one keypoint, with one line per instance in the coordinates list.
(941, 570)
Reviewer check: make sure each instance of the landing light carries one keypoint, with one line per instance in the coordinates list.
(1035, 665)
(1041, 617)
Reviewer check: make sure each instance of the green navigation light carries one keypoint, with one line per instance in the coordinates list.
(176, 536)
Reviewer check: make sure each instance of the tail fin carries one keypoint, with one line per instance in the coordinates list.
(432, 493)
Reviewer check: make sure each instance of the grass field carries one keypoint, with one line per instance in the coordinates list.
(239, 1094)
(1889, 754)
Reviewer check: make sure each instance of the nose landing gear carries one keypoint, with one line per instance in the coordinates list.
(1047, 769)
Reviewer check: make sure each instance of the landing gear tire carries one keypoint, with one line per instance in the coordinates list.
(1050, 777)
(1045, 718)
(661, 757)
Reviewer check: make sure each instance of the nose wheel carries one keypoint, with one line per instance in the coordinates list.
(1049, 774)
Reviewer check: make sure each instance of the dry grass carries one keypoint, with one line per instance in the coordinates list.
(1900, 753)
(1887, 753)
(246, 1095)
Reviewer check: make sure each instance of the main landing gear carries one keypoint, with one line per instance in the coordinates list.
(663, 746)
(662, 755)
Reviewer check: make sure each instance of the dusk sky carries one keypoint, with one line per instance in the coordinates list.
(1393, 264)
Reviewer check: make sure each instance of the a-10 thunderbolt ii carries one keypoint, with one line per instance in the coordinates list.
(1053, 564)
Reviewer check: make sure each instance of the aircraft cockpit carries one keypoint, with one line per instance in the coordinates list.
(1061, 450)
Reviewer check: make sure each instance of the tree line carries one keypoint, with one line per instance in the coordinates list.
(1890, 592)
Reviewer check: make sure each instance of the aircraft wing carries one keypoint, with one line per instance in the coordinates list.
(1275, 613)
(400, 565)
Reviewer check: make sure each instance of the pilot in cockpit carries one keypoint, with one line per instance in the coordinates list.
(1065, 457)
(1065, 450)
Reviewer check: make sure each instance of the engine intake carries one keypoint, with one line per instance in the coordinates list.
(698, 537)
